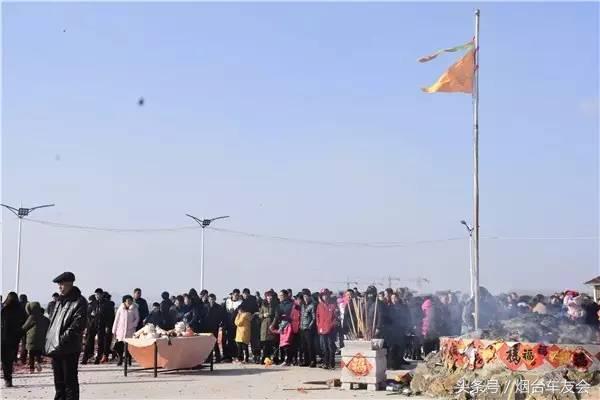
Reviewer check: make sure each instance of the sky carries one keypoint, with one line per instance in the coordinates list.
(302, 121)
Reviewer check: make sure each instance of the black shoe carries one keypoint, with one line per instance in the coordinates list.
(120, 363)
(97, 361)
(313, 365)
(84, 361)
(8, 383)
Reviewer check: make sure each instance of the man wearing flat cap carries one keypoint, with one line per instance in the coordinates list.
(64, 337)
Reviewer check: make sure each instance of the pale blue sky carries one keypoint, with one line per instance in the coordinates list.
(302, 120)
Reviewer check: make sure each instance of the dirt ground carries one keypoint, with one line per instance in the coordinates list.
(231, 381)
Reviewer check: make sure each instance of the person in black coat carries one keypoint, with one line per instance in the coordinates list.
(155, 316)
(374, 311)
(12, 317)
(52, 305)
(416, 336)
(90, 329)
(396, 324)
(108, 318)
(94, 322)
(64, 337)
(591, 313)
(249, 301)
(168, 322)
(228, 337)
(215, 315)
(23, 304)
(204, 296)
(100, 325)
(196, 312)
(142, 305)
(250, 304)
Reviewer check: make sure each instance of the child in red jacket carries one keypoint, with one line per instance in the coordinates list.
(327, 322)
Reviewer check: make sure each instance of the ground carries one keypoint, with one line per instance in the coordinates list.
(226, 381)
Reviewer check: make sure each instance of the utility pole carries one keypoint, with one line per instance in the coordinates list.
(470, 230)
(21, 213)
(203, 223)
(476, 172)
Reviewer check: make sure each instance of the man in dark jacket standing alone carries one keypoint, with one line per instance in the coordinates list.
(63, 340)
(142, 305)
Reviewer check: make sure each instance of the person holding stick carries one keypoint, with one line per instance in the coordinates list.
(350, 315)
(373, 314)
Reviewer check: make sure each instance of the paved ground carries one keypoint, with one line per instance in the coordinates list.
(226, 381)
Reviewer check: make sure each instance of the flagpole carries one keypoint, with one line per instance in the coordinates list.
(476, 172)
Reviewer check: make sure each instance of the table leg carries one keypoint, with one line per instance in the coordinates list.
(212, 360)
(155, 359)
(125, 356)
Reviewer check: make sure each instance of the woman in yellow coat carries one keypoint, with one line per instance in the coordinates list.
(242, 334)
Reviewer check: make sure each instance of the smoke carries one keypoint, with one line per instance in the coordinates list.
(534, 327)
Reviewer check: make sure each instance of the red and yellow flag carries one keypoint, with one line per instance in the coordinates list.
(459, 77)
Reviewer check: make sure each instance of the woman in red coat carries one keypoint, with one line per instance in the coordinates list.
(327, 323)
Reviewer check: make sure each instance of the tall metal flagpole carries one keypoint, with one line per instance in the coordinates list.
(476, 171)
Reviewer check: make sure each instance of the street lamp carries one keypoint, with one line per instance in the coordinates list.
(204, 223)
(470, 230)
(21, 213)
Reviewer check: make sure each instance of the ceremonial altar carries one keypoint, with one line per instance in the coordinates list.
(171, 353)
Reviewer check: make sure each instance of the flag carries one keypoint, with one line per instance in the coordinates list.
(467, 46)
(457, 78)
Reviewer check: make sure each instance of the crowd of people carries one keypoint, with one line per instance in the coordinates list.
(304, 329)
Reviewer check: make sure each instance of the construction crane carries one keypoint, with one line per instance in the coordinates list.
(419, 281)
(347, 282)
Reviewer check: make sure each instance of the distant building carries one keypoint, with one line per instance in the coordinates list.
(595, 283)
